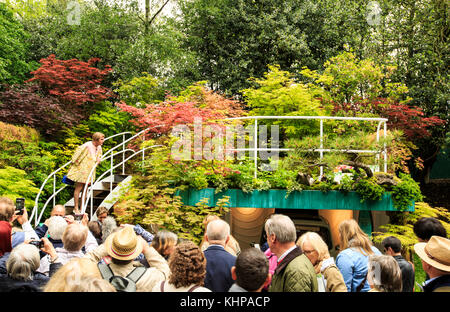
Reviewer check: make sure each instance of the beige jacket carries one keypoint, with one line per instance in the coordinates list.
(335, 281)
(158, 271)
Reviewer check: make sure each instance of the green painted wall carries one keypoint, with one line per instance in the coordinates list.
(441, 168)
(296, 200)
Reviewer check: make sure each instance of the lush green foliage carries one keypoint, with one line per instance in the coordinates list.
(278, 94)
(238, 42)
(405, 191)
(151, 201)
(14, 65)
(140, 91)
(14, 183)
(118, 35)
(404, 230)
(369, 189)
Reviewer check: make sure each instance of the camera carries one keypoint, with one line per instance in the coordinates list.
(37, 243)
(78, 216)
(20, 205)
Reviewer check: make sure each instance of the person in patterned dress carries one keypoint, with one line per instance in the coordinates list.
(85, 158)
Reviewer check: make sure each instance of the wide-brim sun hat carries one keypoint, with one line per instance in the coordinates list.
(436, 252)
(123, 244)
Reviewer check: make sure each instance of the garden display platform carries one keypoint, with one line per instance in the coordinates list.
(276, 198)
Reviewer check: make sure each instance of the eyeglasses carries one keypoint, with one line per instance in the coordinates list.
(308, 252)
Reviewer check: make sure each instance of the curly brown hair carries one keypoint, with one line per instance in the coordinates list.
(187, 265)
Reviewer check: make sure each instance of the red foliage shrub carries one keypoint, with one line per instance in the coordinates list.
(72, 81)
(411, 120)
(59, 95)
(209, 106)
(24, 105)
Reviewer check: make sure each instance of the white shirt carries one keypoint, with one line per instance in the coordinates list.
(286, 253)
(429, 281)
(30, 234)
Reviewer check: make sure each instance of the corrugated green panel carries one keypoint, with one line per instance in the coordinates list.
(296, 200)
(365, 221)
(441, 168)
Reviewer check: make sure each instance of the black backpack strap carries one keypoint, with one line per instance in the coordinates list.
(361, 286)
(105, 271)
(162, 286)
(136, 274)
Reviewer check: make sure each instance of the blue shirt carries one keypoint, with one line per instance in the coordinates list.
(353, 266)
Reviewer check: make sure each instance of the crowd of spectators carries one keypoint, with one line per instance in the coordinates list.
(68, 255)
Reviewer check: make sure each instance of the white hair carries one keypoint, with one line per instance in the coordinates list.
(283, 228)
(316, 242)
(75, 237)
(56, 227)
(217, 230)
(23, 260)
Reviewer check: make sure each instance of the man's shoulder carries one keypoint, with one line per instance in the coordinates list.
(439, 284)
(301, 262)
(218, 253)
(215, 249)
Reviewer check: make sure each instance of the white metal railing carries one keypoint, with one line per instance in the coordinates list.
(255, 149)
(94, 168)
(34, 212)
(90, 187)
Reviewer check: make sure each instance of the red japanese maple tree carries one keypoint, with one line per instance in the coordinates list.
(60, 94)
(410, 119)
(73, 81)
(161, 117)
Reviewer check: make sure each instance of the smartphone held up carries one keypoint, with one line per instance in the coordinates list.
(20, 205)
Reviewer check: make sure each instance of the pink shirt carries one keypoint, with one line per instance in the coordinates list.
(272, 260)
(272, 263)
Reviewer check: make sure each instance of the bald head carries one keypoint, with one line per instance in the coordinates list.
(58, 210)
(217, 232)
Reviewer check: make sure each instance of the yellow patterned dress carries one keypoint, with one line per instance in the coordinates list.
(82, 163)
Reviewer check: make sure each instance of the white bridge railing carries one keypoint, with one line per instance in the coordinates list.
(108, 155)
(255, 149)
(89, 187)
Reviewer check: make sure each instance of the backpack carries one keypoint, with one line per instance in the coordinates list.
(121, 284)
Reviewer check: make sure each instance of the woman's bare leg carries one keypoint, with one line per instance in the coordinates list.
(76, 195)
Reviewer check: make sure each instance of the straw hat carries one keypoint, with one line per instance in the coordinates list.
(436, 252)
(124, 244)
